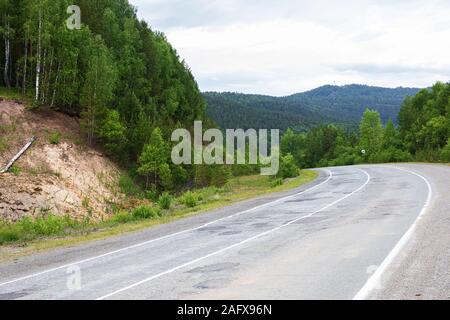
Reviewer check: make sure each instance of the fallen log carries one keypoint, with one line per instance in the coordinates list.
(17, 156)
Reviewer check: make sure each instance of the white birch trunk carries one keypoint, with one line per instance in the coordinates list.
(38, 62)
(56, 84)
(7, 51)
(43, 81)
(24, 89)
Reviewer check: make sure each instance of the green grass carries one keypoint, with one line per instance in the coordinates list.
(189, 199)
(122, 217)
(145, 212)
(51, 231)
(8, 129)
(29, 229)
(14, 94)
(3, 145)
(128, 187)
(15, 170)
(50, 225)
(55, 138)
(165, 201)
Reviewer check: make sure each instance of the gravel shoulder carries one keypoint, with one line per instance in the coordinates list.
(421, 271)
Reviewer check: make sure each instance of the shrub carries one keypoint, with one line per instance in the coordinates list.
(208, 193)
(212, 175)
(245, 169)
(47, 226)
(15, 170)
(221, 174)
(11, 233)
(86, 202)
(428, 155)
(277, 182)
(391, 154)
(127, 186)
(165, 176)
(445, 153)
(288, 168)
(189, 199)
(55, 138)
(179, 175)
(165, 201)
(122, 217)
(144, 212)
(152, 194)
(346, 159)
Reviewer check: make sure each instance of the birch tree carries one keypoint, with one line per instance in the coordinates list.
(98, 87)
(6, 31)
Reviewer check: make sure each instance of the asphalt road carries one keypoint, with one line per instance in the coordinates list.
(357, 232)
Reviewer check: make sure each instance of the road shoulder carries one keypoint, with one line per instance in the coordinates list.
(421, 270)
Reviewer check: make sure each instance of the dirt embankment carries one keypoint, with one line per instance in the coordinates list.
(58, 174)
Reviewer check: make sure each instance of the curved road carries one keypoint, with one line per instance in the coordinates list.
(357, 232)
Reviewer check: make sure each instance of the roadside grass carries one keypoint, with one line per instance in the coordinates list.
(165, 201)
(32, 235)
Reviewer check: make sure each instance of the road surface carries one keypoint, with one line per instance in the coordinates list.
(360, 232)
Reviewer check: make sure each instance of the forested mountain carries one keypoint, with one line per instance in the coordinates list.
(328, 104)
(232, 110)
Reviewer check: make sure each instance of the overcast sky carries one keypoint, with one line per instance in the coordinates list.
(288, 46)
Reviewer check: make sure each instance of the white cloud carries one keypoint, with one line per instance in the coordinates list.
(282, 47)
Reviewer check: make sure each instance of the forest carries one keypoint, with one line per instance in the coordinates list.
(422, 134)
(130, 90)
(124, 81)
(343, 105)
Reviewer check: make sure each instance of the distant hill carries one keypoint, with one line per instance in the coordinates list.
(343, 105)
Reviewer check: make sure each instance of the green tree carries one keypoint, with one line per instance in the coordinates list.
(445, 153)
(153, 159)
(7, 33)
(112, 132)
(294, 143)
(121, 77)
(98, 87)
(371, 133)
(165, 176)
(424, 121)
(390, 136)
(288, 168)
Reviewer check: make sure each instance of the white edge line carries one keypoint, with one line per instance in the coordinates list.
(236, 244)
(330, 176)
(375, 279)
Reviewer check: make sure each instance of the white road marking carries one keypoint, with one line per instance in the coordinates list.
(375, 279)
(237, 244)
(330, 176)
